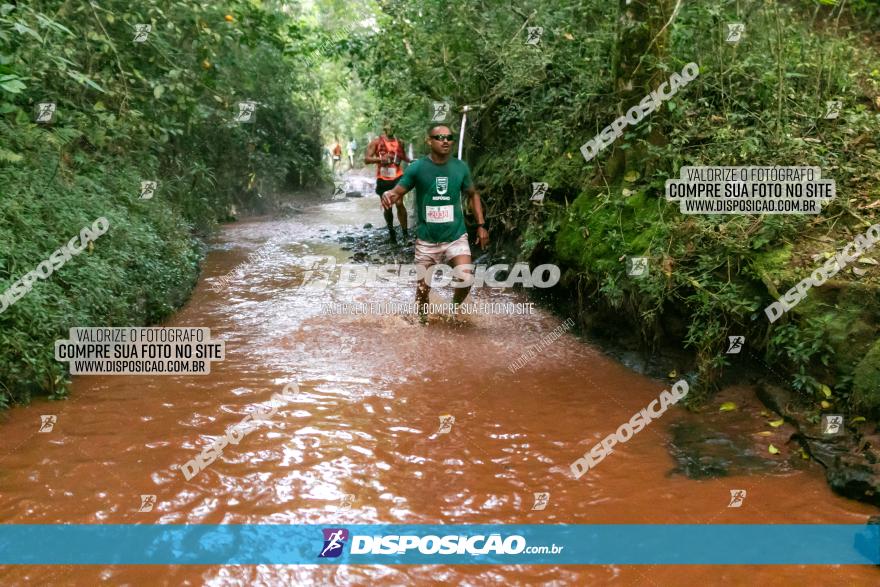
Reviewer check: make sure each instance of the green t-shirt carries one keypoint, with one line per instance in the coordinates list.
(438, 197)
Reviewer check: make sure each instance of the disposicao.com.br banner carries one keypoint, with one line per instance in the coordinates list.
(499, 544)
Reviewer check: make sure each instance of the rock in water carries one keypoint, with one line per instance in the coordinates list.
(702, 452)
(354, 194)
(850, 459)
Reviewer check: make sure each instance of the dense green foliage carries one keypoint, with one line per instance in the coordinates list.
(760, 102)
(161, 110)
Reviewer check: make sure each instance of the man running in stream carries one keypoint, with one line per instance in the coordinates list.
(387, 152)
(441, 234)
(337, 154)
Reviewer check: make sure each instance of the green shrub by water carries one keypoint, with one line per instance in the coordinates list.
(161, 110)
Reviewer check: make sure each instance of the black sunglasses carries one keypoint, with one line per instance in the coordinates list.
(443, 137)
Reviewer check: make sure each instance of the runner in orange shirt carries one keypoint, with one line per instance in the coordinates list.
(337, 154)
(388, 154)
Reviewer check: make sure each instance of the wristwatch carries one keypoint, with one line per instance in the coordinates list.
(481, 225)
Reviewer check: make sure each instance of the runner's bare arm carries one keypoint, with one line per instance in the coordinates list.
(393, 195)
(370, 155)
(477, 206)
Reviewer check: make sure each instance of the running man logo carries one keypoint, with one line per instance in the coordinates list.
(446, 422)
(539, 189)
(832, 109)
(339, 191)
(147, 503)
(141, 32)
(334, 541)
(246, 112)
(637, 266)
(534, 35)
(735, 31)
(735, 344)
(541, 501)
(737, 497)
(317, 276)
(832, 424)
(45, 112)
(47, 423)
(441, 185)
(441, 112)
(148, 189)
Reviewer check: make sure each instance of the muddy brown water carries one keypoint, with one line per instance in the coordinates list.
(373, 389)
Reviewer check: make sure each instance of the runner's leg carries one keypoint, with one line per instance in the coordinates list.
(381, 187)
(426, 256)
(389, 220)
(401, 217)
(423, 291)
(461, 292)
(459, 253)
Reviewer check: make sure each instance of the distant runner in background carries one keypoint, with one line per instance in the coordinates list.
(337, 154)
(387, 152)
(352, 148)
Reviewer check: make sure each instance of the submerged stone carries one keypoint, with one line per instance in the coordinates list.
(703, 453)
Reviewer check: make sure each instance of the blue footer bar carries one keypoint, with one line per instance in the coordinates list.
(529, 544)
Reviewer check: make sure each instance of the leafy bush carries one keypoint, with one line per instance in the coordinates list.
(126, 112)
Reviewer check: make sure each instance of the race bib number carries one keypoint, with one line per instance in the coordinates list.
(439, 213)
(388, 171)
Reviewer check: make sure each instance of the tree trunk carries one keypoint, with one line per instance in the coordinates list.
(642, 42)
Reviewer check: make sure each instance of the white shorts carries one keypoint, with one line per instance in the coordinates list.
(429, 254)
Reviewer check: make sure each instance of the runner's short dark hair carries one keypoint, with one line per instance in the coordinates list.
(437, 125)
